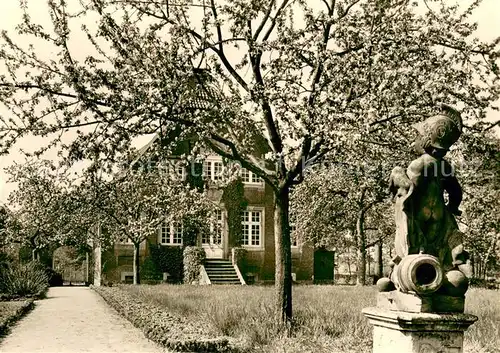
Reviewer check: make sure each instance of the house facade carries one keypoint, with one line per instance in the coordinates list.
(256, 236)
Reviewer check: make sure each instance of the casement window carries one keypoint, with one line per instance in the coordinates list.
(251, 222)
(180, 171)
(249, 177)
(216, 229)
(175, 169)
(170, 233)
(213, 170)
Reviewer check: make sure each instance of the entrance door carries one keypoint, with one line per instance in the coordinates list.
(324, 264)
(213, 243)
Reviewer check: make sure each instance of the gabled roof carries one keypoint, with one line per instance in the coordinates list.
(202, 92)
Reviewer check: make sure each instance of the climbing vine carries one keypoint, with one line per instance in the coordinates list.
(235, 203)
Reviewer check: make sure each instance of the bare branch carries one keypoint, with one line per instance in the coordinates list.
(264, 20)
(236, 156)
(497, 123)
(273, 22)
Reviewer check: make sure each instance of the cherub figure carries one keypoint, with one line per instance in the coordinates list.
(425, 222)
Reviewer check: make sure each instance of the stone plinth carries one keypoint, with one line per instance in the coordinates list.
(405, 332)
(410, 302)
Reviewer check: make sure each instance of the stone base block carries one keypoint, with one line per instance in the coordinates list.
(435, 303)
(404, 332)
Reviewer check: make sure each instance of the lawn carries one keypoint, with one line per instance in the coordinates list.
(10, 311)
(327, 318)
(7, 309)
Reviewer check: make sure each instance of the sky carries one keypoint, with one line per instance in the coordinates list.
(487, 16)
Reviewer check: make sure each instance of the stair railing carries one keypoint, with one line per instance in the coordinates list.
(204, 279)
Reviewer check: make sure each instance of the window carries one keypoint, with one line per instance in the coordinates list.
(207, 170)
(213, 170)
(180, 171)
(171, 233)
(173, 169)
(251, 222)
(218, 170)
(249, 177)
(216, 228)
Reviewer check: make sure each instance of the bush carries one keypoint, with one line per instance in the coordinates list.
(149, 270)
(167, 329)
(55, 278)
(193, 259)
(240, 257)
(25, 280)
(166, 259)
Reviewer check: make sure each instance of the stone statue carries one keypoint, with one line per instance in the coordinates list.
(425, 220)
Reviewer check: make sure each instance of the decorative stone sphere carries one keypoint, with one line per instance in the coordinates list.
(385, 285)
(456, 283)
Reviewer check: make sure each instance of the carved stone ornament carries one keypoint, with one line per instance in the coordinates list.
(430, 258)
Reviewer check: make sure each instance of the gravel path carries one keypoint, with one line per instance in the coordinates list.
(75, 319)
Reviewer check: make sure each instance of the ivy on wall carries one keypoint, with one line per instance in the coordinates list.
(164, 259)
(235, 202)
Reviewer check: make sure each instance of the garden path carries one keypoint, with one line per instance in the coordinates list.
(75, 319)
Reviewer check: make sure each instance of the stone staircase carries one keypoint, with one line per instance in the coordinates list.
(221, 271)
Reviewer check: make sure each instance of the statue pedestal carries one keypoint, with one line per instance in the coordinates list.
(406, 332)
(408, 302)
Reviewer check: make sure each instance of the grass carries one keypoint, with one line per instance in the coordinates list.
(326, 318)
(11, 311)
(7, 309)
(484, 335)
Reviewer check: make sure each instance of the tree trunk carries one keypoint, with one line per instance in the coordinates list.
(349, 262)
(35, 254)
(491, 248)
(473, 264)
(283, 273)
(361, 250)
(137, 276)
(380, 264)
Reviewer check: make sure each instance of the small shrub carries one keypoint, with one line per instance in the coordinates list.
(149, 270)
(25, 280)
(55, 278)
(193, 259)
(240, 256)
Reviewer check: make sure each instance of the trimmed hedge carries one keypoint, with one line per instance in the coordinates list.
(193, 259)
(164, 328)
(164, 259)
(10, 312)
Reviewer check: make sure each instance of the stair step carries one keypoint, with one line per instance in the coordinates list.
(221, 272)
(217, 261)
